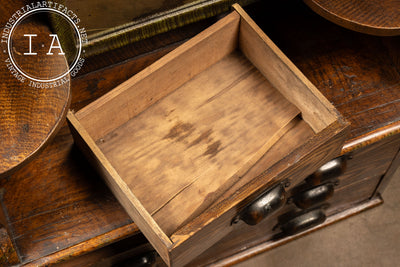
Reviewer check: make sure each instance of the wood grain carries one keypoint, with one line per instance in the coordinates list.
(29, 116)
(60, 208)
(194, 237)
(376, 17)
(143, 90)
(60, 190)
(354, 187)
(365, 169)
(144, 47)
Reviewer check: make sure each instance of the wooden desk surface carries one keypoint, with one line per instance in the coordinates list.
(57, 208)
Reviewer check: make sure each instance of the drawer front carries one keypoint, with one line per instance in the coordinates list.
(246, 236)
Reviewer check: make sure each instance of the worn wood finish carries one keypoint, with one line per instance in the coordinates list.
(266, 246)
(29, 116)
(74, 193)
(352, 190)
(8, 254)
(103, 15)
(376, 17)
(144, 47)
(56, 200)
(394, 166)
(185, 156)
(279, 70)
(88, 87)
(61, 177)
(157, 81)
(357, 184)
(372, 137)
(189, 186)
(301, 131)
(372, 160)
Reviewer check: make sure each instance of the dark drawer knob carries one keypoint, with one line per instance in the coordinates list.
(264, 206)
(303, 222)
(314, 195)
(331, 169)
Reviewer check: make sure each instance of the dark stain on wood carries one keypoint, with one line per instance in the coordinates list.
(25, 128)
(213, 149)
(204, 136)
(180, 131)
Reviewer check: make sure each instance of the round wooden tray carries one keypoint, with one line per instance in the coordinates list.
(29, 116)
(375, 17)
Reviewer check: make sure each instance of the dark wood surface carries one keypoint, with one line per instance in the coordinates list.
(29, 116)
(377, 17)
(252, 236)
(174, 16)
(58, 208)
(143, 47)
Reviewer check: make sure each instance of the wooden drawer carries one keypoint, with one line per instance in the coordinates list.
(219, 112)
(245, 237)
(355, 187)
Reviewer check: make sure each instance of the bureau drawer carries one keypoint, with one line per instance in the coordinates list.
(355, 186)
(219, 111)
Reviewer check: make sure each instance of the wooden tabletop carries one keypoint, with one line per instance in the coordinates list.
(376, 17)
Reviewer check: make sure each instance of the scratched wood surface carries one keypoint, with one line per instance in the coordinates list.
(186, 146)
(377, 17)
(29, 116)
(82, 213)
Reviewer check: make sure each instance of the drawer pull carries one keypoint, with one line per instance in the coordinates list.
(264, 206)
(303, 222)
(314, 195)
(331, 169)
